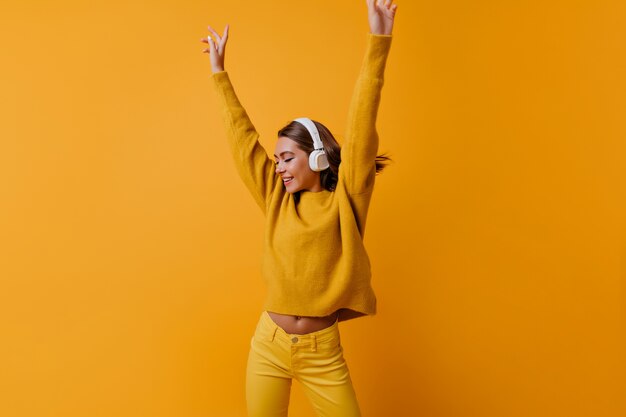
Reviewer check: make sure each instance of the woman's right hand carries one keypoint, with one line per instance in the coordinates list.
(381, 14)
(216, 49)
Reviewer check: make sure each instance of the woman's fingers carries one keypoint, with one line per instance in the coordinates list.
(219, 43)
(388, 6)
(389, 9)
(209, 41)
(223, 40)
(215, 34)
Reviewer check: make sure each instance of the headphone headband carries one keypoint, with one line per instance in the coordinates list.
(310, 126)
(318, 161)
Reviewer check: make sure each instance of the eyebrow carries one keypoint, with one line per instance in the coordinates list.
(281, 154)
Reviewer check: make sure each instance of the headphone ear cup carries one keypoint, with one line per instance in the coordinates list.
(323, 161)
(318, 160)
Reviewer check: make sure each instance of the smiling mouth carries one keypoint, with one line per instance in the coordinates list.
(287, 180)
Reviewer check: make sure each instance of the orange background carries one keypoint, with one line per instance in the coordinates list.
(130, 251)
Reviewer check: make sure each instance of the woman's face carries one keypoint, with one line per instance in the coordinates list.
(292, 164)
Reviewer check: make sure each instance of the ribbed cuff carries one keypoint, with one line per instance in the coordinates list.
(219, 77)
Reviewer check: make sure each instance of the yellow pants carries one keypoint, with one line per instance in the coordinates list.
(314, 359)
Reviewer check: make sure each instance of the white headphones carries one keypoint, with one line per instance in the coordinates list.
(317, 159)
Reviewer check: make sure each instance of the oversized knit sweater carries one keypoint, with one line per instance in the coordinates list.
(314, 260)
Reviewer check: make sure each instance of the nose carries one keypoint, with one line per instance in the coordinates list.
(279, 168)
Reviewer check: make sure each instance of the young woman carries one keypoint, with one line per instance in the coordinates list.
(315, 198)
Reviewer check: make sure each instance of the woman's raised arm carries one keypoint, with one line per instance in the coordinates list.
(358, 153)
(253, 164)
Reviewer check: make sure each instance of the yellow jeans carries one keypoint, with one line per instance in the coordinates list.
(314, 359)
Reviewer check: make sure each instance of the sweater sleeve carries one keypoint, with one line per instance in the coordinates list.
(358, 154)
(253, 164)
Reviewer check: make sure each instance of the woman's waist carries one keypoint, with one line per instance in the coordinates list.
(302, 324)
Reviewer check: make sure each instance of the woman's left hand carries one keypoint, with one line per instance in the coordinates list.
(381, 14)
(216, 49)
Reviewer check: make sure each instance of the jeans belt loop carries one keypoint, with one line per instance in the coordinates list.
(313, 343)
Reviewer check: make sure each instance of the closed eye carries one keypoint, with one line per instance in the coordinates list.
(286, 160)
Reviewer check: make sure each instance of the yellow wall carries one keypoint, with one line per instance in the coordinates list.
(130, 250)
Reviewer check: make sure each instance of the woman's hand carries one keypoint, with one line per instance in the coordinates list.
(381, 14)
(216, 49)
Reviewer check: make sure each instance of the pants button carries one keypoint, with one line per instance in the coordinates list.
(294, 340)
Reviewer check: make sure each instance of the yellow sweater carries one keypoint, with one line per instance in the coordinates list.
(314, 260)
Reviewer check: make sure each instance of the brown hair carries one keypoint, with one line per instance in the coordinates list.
(328, 177)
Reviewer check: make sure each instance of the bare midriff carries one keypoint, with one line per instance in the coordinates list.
(302, 324)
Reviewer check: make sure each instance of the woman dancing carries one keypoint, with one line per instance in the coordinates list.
(315, 197)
